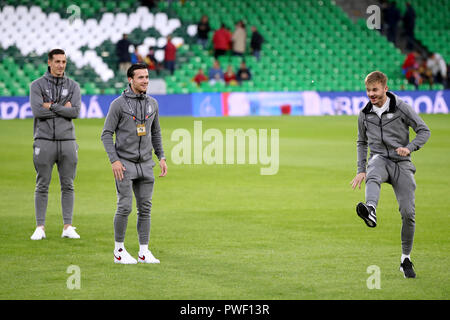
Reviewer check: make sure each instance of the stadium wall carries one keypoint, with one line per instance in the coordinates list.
(304, 103)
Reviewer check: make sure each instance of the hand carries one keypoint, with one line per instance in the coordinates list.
(68, 104)
(403, 152)
(357, 181)
(163, 166)
(47, 105)
(118, 169)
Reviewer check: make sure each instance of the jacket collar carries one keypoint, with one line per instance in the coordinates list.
(392, 104)
(130, 94)
(49, 77)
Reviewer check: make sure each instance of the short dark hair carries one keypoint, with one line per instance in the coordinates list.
(136, 66)
(54, 52)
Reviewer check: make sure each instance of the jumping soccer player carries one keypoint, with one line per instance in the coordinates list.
(134, 119)
(383, 126)
(55, 100)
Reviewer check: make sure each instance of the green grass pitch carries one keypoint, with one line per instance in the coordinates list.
(225, 231)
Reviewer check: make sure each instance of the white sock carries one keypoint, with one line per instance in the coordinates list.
(118, 245)
(404, 256)
(143, 248)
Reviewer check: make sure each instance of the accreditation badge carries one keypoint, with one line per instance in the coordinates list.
(141, 129)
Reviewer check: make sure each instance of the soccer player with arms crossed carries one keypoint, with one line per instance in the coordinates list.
(383, 126)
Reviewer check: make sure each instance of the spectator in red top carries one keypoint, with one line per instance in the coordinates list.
(410, 69)
(200, 77)
(170, 52)
(230, 76)
(410, 63)
(221, 41)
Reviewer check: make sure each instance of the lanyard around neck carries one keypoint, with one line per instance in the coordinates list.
(133, 114)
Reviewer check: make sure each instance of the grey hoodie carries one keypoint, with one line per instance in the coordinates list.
(390, 132)
(124, 114)
(56, 123)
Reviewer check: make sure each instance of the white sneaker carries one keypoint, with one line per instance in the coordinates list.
(38, 234)
(147, 257)
(123, 257)
(70, 233)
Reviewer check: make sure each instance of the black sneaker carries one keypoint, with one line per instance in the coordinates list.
(367, 213)
(407, 268)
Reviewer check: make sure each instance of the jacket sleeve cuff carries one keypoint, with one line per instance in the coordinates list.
(411, 147)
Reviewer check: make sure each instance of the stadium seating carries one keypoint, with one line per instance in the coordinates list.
(432, 24)
(309, 44)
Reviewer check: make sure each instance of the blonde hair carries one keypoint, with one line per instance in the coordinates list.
(376, 76)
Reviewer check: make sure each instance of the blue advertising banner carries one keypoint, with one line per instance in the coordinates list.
(324, 103)
(97, 106)
(207, 104)
(305, 103)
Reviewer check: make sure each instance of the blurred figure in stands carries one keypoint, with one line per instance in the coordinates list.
(123, 53)
(151, 61)
(170, 52)
(215, 73)
(221, 41)
(203, 30)
(256, 42)
(230, 76)
(243, 73)
(392, 18)
(409, 23)
(239, 39)
(136, 57)
(410, 69)
(200, 77)
(150, 4)
(438, 68)
(425, 73)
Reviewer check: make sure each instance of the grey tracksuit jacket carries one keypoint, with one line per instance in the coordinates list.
(124, 114)
(390, 132)
(54, 124)
(54, 140)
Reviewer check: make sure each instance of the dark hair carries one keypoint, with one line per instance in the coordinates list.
(136, 66)
(54, 52)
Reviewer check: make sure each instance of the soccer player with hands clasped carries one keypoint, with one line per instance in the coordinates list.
(134, 120)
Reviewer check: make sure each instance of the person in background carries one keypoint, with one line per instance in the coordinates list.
(136, 57)
(215, 73)
(151, 61)
(200, 77)
(239, 39)
(392, 19)
(409, 23)
(438, 68)
(170, 53)
(243, 73)
(256, 42)
(123, 53)
(203, 29)
(221, 41)
(230, 76)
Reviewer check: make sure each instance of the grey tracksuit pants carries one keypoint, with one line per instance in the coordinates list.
(138, 178)
(46, 154)
(401, 176)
